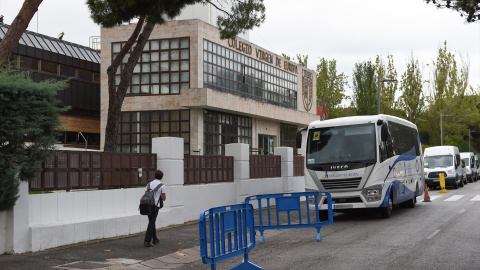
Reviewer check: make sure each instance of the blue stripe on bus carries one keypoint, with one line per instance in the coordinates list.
(400, 158)
(396, 183)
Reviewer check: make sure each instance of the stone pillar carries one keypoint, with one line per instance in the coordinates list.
(18, 224)
(169, 152)
(241, 167)
(287, 166)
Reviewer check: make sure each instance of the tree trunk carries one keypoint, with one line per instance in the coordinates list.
(117, 94)
(18, 27)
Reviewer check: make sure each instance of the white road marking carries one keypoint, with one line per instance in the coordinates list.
(476, 198)
(435, 197)
(462, 211)
(454, 198)
(433, 234)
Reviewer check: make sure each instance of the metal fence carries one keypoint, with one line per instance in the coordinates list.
(207, 169)
(265, 166)
(67, 170)
(298, 166)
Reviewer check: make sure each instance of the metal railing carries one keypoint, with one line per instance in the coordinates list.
(207, 169)
(298, 166)
(265, 166)
(67, 170)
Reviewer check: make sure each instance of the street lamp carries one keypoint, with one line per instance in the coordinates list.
(441, 128)
(378, 93)
(469, 138)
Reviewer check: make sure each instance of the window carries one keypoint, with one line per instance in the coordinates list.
(84, 75)
(402, 140)
(49, 67)
(28, 62)
(67, 71)
(162, 69)
(232, 72)
(222, 128)
(138, 128)
(288, 134)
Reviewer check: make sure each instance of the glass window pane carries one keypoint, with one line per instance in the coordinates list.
(164, 77)
(136, 69)
(165, 89)
(174, 66)
(164, 44)
(174, 55)
(185, 42)
(175, 88)
(145, 89)
(185, 115)
(116, 47)
(154, 67)
(163, 66)
(155, 89)
(174, 77)
(135, 89)
(145, 79)
(184, 65)
(154, 56)
(145, 67)
(145, 57)
(154, 78)
(174, 43)
(184, 86)
(154, 45)
(135, 79)
(164, 56)
(185, 76)
(185, 54)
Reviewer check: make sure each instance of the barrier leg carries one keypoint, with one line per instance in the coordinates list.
(262, 239)
(247, 266)
(319, 237)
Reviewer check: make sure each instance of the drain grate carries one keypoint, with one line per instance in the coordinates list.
(84, 265)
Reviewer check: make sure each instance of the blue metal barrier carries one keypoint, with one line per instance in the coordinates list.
(291, 202)
(230, 234)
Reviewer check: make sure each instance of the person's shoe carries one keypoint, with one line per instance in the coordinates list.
(156, 241)
(147, 244)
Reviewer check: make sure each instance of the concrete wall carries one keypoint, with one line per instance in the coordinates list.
(45, 221)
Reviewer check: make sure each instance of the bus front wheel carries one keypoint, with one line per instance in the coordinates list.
(386, 212)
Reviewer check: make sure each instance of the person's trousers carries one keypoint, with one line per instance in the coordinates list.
(151, 233)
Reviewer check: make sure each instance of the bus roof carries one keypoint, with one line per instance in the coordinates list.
(362, 119)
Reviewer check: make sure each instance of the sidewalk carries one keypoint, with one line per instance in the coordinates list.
(179, 245)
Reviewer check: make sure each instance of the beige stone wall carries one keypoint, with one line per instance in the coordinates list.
(196, 99)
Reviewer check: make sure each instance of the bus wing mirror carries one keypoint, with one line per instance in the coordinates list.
(384, 132)
(298, 139)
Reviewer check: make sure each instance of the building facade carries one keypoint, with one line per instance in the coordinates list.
(189, 83)
(51, 58)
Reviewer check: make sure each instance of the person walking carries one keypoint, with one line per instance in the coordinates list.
(151, 233)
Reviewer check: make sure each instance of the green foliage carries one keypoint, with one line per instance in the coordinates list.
(341, 112)
(470, 9)
(302, 60)
(29, 126)
(412, 99)
(243, 15)
(388, 89)
(364, 88)
(286, 57)
(330, 84)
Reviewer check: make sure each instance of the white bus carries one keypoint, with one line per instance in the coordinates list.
(373, 161)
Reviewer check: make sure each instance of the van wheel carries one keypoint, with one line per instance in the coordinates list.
(386, 212)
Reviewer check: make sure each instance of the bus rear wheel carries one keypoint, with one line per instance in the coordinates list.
(386, 212)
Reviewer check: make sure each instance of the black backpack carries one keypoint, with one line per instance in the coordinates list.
(148, 199)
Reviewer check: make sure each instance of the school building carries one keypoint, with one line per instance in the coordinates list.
(189, 83)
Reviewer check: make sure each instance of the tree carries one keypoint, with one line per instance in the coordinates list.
(243, 15)
(364, 88)
(388, 105)
(29, 126)
(467, 8)
(302, 60)
(15, 31)
(330, 84)
(412, 99)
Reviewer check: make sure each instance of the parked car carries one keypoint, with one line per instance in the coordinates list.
(471, 171)
(446, 160)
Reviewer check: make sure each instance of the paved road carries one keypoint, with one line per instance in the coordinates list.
(442, 234)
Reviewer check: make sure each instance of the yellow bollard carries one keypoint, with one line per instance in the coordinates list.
(442, 184)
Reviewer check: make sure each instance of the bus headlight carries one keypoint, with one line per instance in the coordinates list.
(373, 193)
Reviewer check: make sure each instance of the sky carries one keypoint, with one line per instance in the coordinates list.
(348, 31)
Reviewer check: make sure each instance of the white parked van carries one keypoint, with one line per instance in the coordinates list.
(469, 158)
(446, 160)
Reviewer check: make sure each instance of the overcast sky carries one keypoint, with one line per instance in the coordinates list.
(348, 31)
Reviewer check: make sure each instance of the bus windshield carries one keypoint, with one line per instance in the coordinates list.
(438, 161)
(341, 144)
